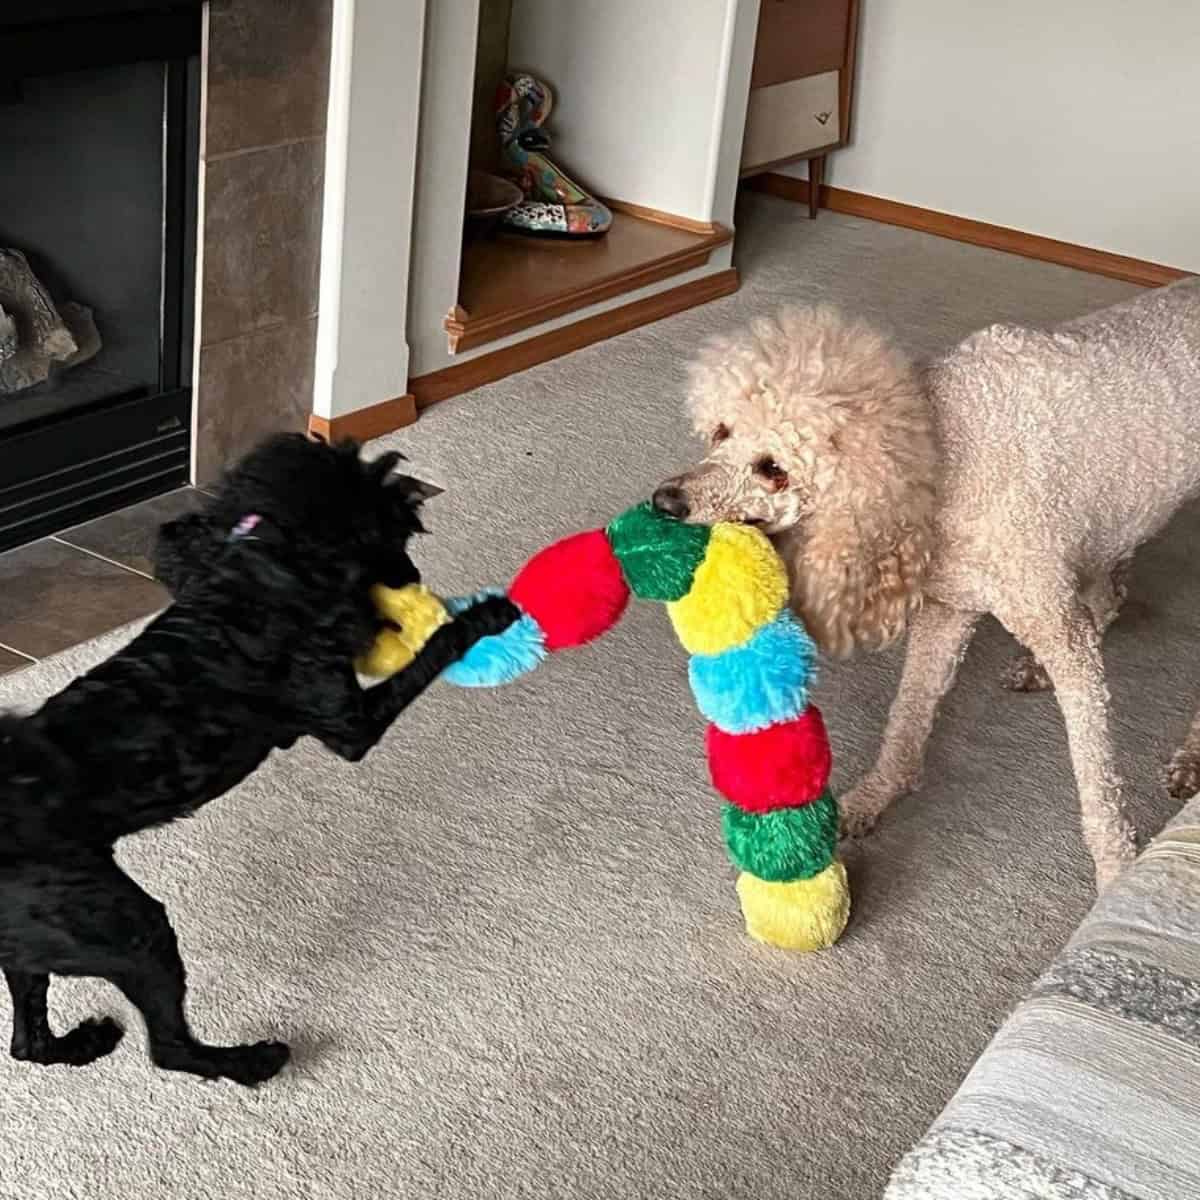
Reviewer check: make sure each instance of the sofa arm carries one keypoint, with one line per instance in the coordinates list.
(1091, 1089)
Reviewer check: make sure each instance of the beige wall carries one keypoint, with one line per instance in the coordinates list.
(1074, 119)
(639, 91)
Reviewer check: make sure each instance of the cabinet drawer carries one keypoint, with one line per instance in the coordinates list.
(790, 119)
(797, 38)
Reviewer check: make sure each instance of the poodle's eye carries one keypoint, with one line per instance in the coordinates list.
(720, 434)
(772, 472)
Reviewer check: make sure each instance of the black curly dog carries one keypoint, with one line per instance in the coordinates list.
(270, 587)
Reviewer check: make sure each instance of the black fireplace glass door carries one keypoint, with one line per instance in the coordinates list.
(83, 178)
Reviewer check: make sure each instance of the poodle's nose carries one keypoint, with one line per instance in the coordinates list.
(670, 499)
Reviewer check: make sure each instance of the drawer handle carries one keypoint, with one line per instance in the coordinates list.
(823, 118)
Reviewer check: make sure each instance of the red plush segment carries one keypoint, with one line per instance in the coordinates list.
(782, 766)
(574, 589)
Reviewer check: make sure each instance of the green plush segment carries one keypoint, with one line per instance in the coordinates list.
(658, 554)
(786, 843)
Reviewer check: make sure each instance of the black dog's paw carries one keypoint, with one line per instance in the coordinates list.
(492, 615)
(84, 1044)
(90, 1041)
(252, 1065)
(247, 1065)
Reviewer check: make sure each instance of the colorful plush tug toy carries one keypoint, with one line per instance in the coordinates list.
(751, 665)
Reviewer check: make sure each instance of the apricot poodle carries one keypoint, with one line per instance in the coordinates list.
(1016, 476)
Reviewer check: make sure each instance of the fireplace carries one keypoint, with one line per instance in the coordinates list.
(99, 141)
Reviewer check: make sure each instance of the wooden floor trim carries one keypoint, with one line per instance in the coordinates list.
(661, 217)
(366, 423)
(487, 368)
(467, 332)
(977, 233)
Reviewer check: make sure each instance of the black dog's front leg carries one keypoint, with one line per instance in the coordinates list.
(369, 715)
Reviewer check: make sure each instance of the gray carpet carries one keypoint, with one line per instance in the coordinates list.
(506, 949)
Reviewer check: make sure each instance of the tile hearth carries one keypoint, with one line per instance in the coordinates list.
(60, 591)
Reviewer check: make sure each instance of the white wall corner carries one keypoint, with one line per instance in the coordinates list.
(729, 112)
(366, 230)
(443, 151)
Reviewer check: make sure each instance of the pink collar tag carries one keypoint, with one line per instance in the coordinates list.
(245, 526)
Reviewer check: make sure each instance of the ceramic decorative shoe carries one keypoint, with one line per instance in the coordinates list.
(554, 205)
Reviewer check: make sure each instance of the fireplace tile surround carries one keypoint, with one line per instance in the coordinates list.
(262, 163)
(258, 382)
(268, 72)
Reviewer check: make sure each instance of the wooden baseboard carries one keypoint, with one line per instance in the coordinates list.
(487, 368)
(978, 233)
(366, 423)
(662, 217)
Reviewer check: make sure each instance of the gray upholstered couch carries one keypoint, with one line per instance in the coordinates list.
(1091, 1089)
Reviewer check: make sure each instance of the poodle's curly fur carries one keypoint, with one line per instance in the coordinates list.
(1014, 476)
(841, 412)
(271, 586)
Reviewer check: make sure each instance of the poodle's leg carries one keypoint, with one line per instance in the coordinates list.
(92, 919)
(152, 975)
(1107, 595)
(361, 718)
(1183, 772)
(32, 1040)
(936, 642)
(1065, 638)
(1103, 598)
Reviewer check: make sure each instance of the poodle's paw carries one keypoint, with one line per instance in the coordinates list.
(1114, 854)
(247, 1065)
(1109, 869)
(84, 1044)
(491, 616)
(1182, 775)
(861, 808)
(857, 824)
(1026, 674)
(252, 1065)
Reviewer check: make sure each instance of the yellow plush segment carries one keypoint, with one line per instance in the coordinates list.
(417, 612)
(739, 587)
(807, 914)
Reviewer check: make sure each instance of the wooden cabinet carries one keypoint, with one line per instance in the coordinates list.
(801, 86)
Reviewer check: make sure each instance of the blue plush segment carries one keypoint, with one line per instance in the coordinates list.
(498, 659)
(758, 683)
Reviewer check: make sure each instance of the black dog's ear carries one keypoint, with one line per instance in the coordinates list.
(416, 490)
(186, 549)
